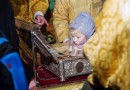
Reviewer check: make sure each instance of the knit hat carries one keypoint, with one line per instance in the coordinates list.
(84, 23)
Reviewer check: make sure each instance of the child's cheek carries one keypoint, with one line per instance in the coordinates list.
(83, 41)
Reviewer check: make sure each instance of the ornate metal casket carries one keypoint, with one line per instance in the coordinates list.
(57, 63)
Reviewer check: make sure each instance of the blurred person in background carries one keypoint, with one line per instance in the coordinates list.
(7, 24)
(108, 51)
(30, 10)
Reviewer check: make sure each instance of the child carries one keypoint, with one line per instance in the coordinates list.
(81, 29)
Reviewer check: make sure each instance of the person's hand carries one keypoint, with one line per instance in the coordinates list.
(40, 20)
(32, 85)
(66, 42)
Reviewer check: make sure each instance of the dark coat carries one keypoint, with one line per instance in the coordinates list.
(7, 22)
(7, 27)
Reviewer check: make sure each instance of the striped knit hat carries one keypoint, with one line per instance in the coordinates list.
(84, 23)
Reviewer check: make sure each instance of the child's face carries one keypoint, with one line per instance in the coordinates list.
(78, 37)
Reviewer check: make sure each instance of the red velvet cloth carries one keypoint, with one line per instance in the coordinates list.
(46, 78)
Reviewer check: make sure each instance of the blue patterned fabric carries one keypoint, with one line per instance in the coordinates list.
(12, 62)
